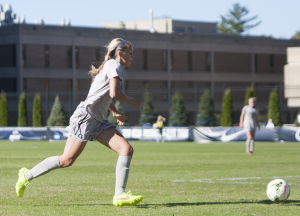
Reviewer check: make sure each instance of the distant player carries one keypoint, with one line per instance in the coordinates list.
(89, 122)
(160, 124)
(249, 121)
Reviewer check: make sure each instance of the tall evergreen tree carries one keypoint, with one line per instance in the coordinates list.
(235, 22)
(4, 117)
(178, 115)
(296, 122)
(58, 115)
(37, 112)
(274, 109)
(148, 114)
(22, 118)
(112, 119)
(206, 111)
(249, 94)
(227, 110)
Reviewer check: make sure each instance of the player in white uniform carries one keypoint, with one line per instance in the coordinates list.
(248, 121)
(89, 122)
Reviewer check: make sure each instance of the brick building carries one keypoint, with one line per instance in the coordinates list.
(40, 58)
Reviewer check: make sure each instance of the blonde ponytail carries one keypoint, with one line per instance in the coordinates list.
(111, 54)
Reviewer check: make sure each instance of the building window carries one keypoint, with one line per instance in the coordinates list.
(46, 84)
(46, 56)
(24, 55)
(77, 89)
(69, 56)
(70, 85)
(272, 63)
(24, 84)
(76, 57)
(208, 61)
(193, 30)
(145, 59)
(179, 29)
(255, 63)
(190, 62)
(97, 57)
(172, 60)
(165, 61)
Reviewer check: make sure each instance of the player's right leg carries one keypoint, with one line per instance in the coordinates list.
(73, 149)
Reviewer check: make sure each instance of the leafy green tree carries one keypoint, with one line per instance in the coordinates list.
(22, 119)
(37, 112)
(58, 115)
(178, 115)
(235, 22)
(148, 114)
(296, 122)
(112, 119)
(296, 36)
(227, 110)
(249, 94)
(206, 111)
(274, 109)
(4, 117)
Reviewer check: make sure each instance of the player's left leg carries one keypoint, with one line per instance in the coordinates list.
(248, 134)
(114, 140)
(252, 141)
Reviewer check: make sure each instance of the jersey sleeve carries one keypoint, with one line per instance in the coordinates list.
(244, 108)
(114, 69)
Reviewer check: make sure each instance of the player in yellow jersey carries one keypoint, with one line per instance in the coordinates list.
(160, 124)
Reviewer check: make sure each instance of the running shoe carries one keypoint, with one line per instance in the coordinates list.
(126, 199)
(22, 182)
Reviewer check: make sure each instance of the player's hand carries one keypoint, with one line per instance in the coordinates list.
(137, 103)
(120, 118)
(241, 125)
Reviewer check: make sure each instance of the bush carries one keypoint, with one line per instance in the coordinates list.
(4, 118)
(178, 116)
(274, 109)
(22, 118)
(37, 112)
(249, 94)
(148, 114)
(227, 110)
(112, 119)
(296, 122)
(206, 112)
(58, 115)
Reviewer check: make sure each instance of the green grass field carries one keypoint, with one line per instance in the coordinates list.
(175, 178)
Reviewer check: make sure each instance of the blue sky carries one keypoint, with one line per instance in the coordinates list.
(280, 18)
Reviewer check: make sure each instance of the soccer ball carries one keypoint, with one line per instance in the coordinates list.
(278, 190)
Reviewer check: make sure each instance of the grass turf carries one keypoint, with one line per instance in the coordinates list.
(87, 187)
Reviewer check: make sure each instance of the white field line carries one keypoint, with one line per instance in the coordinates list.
(235, 180)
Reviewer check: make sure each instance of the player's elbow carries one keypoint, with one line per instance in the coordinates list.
(114, 94)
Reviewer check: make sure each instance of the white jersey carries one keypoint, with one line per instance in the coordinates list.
(250, 118)
(98, 100)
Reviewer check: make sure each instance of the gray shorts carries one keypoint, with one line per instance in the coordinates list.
(83, 127)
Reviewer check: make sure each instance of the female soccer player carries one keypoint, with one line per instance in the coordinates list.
(160, 124)
(89, 122)
(248, 121)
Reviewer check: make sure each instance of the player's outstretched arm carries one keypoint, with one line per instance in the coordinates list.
(116, 93)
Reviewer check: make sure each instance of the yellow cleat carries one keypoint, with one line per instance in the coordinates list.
(126, 199)
(22, 182)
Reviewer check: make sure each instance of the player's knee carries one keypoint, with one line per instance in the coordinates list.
(66, 162)
(127, 150)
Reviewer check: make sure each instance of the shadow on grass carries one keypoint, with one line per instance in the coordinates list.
(266, 202)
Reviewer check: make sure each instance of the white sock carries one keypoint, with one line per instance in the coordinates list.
(42, 168)
(247, 145)
(251, 146)
(122, 173)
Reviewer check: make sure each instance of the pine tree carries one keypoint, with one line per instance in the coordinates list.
(58, 115)
(227, 110)
(178, 115)
(249, 94)
(296, 122)
(112, 119)
(22, 119)
(206, 112)
(4, 118)
(235, 22)
(274, 109)
(37, 112)
(148, 114)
